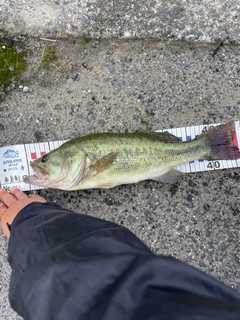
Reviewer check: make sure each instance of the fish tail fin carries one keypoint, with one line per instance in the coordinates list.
(223, 142)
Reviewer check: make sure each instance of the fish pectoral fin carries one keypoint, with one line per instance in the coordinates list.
(105, 162)
(171, 176)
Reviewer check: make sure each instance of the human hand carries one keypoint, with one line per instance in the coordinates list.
(13, 202)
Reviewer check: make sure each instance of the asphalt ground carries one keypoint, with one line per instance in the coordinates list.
(100, 86)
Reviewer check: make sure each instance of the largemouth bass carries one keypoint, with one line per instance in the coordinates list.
(106, 160)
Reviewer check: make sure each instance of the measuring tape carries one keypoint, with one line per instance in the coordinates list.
(15, 159)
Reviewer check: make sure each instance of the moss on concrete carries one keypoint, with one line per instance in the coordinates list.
(144, 117)
(86, 40)
(11, 64)
(49, 57)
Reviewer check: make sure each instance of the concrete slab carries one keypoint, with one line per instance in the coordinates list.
(204, 21)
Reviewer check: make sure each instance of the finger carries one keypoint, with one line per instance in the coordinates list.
(7, 198)
(37, 198)
(18, 194)
(3, 192)
(5, 230)
(3, 208)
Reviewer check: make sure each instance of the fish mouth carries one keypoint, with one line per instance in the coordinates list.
(39, 172)
(36, 179)
(40, 176)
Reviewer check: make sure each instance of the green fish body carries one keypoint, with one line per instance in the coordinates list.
(106, 160)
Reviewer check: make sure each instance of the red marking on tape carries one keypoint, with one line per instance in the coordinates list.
(33, 155)
(235, 139)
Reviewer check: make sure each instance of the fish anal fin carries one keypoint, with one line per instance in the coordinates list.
(105, 162)
(172, 176)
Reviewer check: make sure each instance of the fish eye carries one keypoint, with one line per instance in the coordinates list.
(44, 158)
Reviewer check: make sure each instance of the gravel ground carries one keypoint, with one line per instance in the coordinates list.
(99, 86)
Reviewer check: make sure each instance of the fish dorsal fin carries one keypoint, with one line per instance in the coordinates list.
(105, 162)
(171, 176)
(165, 136)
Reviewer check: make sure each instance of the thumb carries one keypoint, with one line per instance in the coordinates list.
(3, 208)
